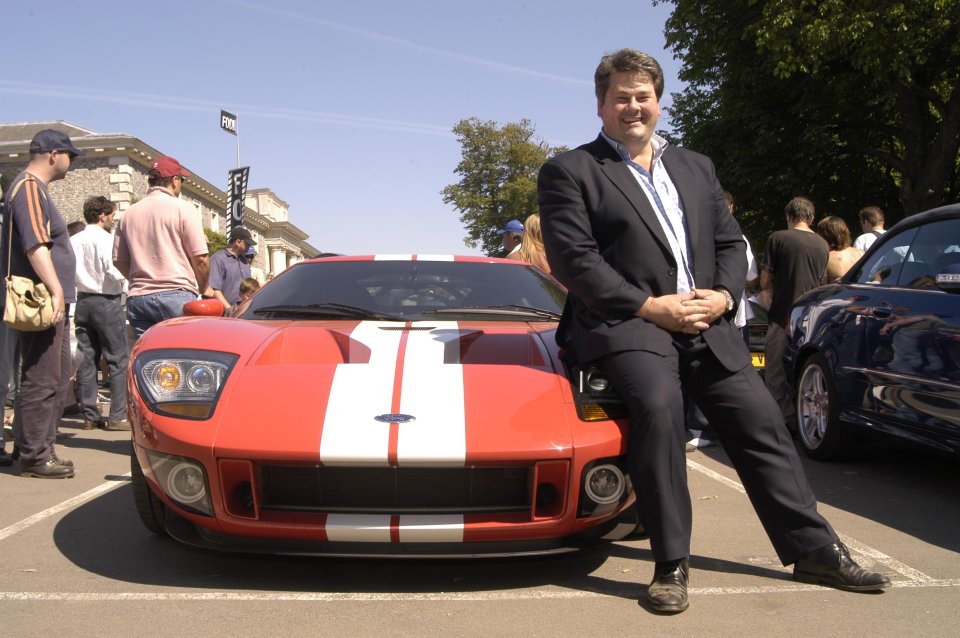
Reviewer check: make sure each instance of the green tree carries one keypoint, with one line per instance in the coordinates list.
(498, 177)
(215, 241)
(850, 102)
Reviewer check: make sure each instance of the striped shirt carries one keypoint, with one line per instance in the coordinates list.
(36, 222)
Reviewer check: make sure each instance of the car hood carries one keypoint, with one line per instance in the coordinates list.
(389, 393)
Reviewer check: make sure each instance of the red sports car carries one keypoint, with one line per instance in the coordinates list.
(393, 405)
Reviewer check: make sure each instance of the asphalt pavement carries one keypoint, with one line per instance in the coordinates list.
(75, 560)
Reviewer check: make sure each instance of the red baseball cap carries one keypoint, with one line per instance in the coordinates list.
(165, 166)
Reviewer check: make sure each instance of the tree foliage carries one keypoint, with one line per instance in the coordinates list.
(498, 177)
(850, 102)
(215, 241)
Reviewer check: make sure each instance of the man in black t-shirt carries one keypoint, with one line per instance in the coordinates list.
(793, 263)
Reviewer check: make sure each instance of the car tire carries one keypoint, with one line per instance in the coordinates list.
(818, 412)
(150, 509)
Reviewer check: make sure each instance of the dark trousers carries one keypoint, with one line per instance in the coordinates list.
(44, 385)
(100, 324)
(748, 424)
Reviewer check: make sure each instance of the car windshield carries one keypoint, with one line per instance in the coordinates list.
(408, 290)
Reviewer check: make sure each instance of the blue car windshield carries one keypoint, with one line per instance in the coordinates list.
(407, 290)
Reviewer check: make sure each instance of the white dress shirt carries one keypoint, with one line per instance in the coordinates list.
(96, 273)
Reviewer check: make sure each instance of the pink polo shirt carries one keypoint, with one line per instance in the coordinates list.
(157, 236)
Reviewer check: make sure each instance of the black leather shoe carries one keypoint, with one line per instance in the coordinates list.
(667, 593)
(5, 460)
(51, 470)
(832, 566)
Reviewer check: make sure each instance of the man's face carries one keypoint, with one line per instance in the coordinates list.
(630, 109)
(510, 241)
(108, 220)
(61, 163)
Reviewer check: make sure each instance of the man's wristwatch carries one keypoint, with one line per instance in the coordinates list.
(727, 297)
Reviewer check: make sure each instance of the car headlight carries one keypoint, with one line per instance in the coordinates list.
(183, 480)
(182, 383)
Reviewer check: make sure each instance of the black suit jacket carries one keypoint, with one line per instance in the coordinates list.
(604, 242)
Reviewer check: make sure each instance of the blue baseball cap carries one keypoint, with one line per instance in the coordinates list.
(513, 226)
(53, 140)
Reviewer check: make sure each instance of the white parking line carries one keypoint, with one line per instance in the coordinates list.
(487, 596)
(65, 505)
(851, 543)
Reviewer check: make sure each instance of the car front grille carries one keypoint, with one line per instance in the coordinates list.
(395, 489)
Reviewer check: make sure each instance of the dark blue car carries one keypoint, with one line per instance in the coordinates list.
(877, 354)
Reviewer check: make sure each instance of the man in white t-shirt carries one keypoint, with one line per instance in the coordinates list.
(871, 221)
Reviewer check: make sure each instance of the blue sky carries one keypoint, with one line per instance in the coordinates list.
(346, 108)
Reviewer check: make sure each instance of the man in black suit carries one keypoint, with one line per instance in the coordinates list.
(639, 233)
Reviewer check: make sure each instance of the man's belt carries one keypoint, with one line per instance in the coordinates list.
(81, 295)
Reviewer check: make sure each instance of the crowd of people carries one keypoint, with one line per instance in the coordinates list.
(103, 276)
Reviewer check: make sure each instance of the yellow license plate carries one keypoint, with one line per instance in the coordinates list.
(758, 359)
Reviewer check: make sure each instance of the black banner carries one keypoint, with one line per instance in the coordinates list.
(236, 193)
(228, 122)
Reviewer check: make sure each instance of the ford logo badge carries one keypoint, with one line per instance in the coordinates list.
(395, 418)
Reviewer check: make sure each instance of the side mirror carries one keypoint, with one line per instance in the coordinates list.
(203, 308)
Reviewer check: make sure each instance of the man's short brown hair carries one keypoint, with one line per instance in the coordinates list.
(93, 207)
(800, 209)
(627, 61)
(871, 215)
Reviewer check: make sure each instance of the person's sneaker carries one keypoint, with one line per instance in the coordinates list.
(92, 425)
(117, 425)
(50, 470)
(698, 443)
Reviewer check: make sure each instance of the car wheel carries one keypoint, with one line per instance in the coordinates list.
(149, 507)
(818, 410)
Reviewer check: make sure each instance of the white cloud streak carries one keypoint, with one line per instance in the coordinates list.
(174, 103)
(409, 44)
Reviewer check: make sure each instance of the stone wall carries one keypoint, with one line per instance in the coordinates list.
(117, 179)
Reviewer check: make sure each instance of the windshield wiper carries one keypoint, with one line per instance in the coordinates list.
(330, 310)
(512, 310)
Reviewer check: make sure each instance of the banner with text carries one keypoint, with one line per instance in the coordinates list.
(236, 193)
(228, 122)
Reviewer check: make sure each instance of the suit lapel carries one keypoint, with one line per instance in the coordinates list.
(616, 170)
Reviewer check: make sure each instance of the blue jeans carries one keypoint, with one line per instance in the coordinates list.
(101, 329)
(147, 310)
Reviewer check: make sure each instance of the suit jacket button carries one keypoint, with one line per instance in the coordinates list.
(672, 272)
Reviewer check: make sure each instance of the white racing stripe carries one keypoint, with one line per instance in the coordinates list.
(431, 529)
(433, 393)
(358, 528)
(359, 392)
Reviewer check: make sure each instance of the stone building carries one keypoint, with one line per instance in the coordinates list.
(115, 165)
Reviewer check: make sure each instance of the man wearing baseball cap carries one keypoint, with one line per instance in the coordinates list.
(161, 249)
(511, 233)
(228, 267)
(40, 250)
